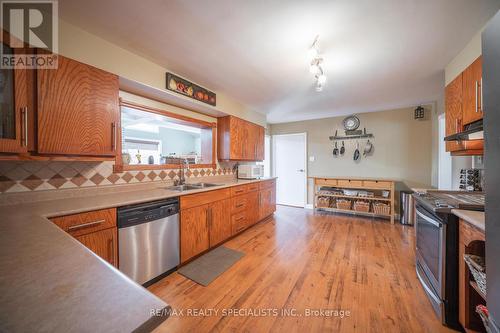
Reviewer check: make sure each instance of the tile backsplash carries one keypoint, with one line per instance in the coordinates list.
(39, 176)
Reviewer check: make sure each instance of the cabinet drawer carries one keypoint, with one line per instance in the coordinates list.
(349, 182)
(252, 187)
(203, 198)
(326, 181)
(376, 184)
(85, 223)
(238, 190)
(267, 184)
(239, 222)
(239, 203)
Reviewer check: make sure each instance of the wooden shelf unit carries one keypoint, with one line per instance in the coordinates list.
(368, 184)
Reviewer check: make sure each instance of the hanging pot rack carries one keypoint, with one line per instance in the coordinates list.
(355, 135)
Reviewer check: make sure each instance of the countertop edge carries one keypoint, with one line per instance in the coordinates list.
(473, 218)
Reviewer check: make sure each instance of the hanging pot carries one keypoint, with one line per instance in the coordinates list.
(342, 149)
(368, 148)
(356, 152)
(335, 150)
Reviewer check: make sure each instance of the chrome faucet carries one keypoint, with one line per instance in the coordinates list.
(182, 178)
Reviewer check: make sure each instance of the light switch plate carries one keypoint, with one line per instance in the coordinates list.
(312, 158)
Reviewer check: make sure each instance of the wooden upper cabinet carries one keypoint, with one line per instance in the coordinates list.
(472, 92)
(239, 139)
(454, 115)
(194, 231)
(78, 110)
(14, 108)
(260, 144)
(463, 99)
(219, 217)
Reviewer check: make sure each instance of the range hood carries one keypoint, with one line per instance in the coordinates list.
(473, 131)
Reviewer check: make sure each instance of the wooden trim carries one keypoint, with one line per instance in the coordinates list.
(184, 120)
(48, 157)
(130, 167)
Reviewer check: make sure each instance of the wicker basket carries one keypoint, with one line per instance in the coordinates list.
(344, 204)
(362, 206)
(381, 208)
(323, 202)
(478, 270)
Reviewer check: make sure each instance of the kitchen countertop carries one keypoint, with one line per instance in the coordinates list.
(51, 282)
(475, 218)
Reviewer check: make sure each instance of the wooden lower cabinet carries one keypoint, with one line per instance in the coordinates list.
(267, 202)
(209, 218)
(103, 243)
(471, 241)
(194, 230)
(219, 221)
(96, 230)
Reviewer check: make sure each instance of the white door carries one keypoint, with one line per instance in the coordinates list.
(289, 165)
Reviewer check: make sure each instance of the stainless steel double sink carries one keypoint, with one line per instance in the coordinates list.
(187, 187)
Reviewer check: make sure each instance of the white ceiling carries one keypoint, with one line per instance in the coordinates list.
(377, 54)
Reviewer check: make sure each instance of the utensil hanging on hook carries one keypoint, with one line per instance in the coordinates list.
(368, 148)
(335, 150)
(356, 152)
(342, 149)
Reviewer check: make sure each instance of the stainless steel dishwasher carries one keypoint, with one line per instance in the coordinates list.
(148, 240)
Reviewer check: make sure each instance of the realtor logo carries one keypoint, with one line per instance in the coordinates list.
(29, 25)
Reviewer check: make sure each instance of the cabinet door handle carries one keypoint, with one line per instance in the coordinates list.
(477, 90)
(240, 205)
(26, 126)
(86, 225)
(481, 95)
(240, 219)
(113, 136)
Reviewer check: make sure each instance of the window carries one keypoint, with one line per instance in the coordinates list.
(157, 139)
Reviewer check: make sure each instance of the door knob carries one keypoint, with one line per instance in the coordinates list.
(300, 170)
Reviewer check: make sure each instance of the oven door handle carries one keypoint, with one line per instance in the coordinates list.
(428, 219)
(427, 289)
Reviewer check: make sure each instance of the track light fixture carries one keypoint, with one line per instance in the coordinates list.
(315, 66)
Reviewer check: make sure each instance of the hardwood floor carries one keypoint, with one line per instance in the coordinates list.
(304, 260)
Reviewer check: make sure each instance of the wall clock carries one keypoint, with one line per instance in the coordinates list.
(351, 123)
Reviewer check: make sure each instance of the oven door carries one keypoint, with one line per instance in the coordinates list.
(430, 255)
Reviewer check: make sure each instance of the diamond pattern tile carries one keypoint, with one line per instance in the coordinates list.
(78, 180)
(32, 182)
(97, 178)
(127, 177)
(6, 183)
(57, 180)
(152, 175)
(163, 175)
(113, 178)
(18, 176)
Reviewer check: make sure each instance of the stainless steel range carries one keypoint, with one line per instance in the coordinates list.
(437, 248)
